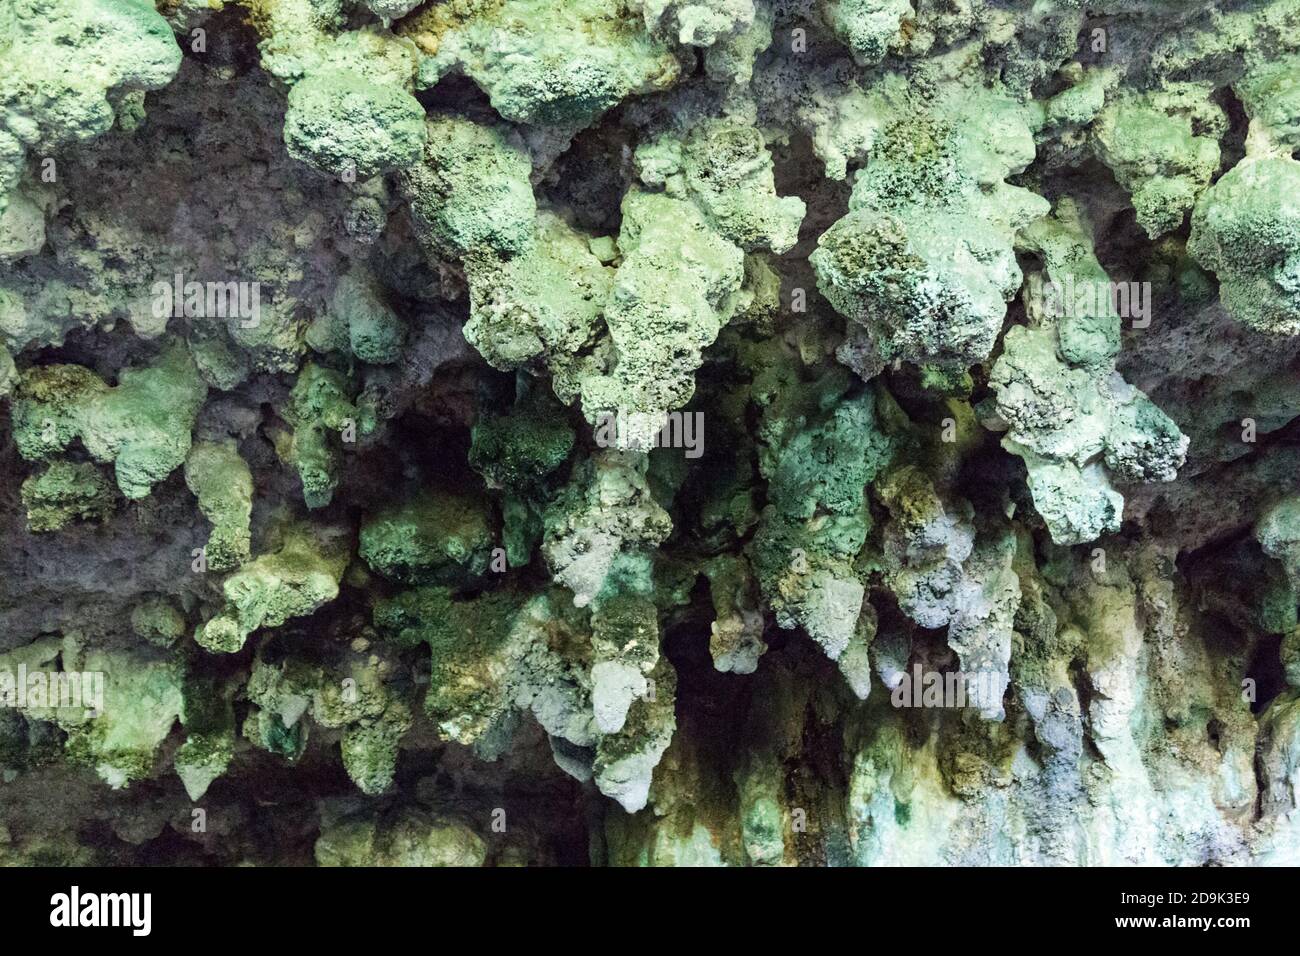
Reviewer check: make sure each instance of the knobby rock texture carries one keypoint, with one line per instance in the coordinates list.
(649, 432)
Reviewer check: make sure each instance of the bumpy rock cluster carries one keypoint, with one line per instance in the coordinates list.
(773, 432)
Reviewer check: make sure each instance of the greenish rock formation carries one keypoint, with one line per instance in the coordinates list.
(142, 700)
(695, 23)
(346, 125)
(350, 111)
(541, 309)
(1244, 230)
(323, 417)
(67, 491)
(600, 526)
(158, 621)
(350, 696)
(1279, 530)
(22, 226)
(410, 840)
(300, 574)
(141, 425)
(546, 63)
(469, 190)
(1163, 147)
(220, 479)
(67, 64)
(519, 450)
(1067, 414)
(868, 27)
(435, 538)
(669, 299)
(818, 518)
(924, 263)
(650, 433)
(375, 333)
(209, 721)
(115, 707)
(725, 169)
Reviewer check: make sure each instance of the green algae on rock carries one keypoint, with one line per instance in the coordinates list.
(142, 425)
(983, 547)
(66, 491)
(300, 575)
(220, 479)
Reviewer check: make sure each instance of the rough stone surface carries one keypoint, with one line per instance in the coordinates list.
(650, 432)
